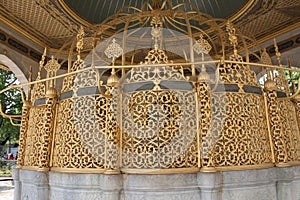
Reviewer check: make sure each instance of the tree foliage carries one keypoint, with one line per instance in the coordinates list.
(11, 103)
(293, 76)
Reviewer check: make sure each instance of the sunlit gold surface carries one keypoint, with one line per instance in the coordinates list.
(226, 122)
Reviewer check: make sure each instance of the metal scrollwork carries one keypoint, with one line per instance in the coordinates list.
(158, 116)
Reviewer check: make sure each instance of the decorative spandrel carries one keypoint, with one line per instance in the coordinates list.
(232, 73)
(152, 74)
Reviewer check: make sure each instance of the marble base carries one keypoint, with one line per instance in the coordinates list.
(264, 184)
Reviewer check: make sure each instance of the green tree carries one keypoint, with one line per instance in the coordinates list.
(294, 76)
(11, 103)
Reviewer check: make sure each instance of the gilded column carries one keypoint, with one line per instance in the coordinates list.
(51, 67)
(278, 142)
(297, 102)
(48, 129)
(206, 140)
(23, 134)
(297, 107)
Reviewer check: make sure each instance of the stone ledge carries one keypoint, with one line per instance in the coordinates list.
(263, 184)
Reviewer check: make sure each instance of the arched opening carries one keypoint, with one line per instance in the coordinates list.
(10, 105)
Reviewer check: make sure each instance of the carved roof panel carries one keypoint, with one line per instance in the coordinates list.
(48, 23)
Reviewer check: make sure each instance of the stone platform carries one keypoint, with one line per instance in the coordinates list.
(264, 184)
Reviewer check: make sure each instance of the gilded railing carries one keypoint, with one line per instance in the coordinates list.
(159, 116)
(236, 126)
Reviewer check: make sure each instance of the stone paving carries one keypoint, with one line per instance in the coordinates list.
(6, 190)
(7, 194)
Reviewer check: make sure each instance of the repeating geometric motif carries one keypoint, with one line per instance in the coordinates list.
(242, 138)
(289, 132)
(34, 141)
(159, 130)
(38, 91)
(65, 138)
(23, 135)
(93, 129)
(109, 130)
(47, 133)
(68, 83)
(82, 79)
(275, 123)
(205, 106)
(285, 133)
(85, 79)
(141, 74)
(71, 139)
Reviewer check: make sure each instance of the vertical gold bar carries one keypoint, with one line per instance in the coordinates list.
(106, 134)
(192, 59)
(23, 134)
(121, 130)
(53, 135)
(198, 130)
(269, 127)
(124, 47)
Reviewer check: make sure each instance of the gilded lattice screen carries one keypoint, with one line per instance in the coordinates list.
(159, 116)
(243, 140)
(156, 126)
(34, 142)
(157, 120)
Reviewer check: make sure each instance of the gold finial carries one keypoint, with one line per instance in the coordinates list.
(281, 78)
(113, 79)
(78, 64)
(278, 54)
(156, 31)
(265, 58)
(202, 47)
(52, 67)
(156, 55)
(79, 44)
(113, 51)
(232, 36)
(42, 61)
(30, 86)
(270, 84)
